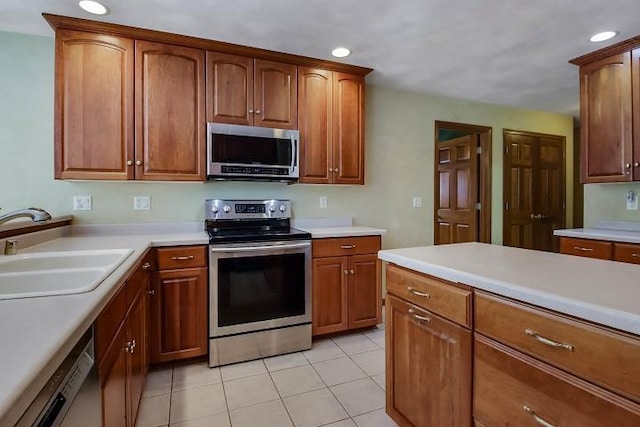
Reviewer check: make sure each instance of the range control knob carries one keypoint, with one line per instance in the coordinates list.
(226, 208)
(272, 208)
(283, 208)
(214, 209)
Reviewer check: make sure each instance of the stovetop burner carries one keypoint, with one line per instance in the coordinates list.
(235, 221)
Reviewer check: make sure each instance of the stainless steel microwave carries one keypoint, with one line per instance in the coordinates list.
(236, 152)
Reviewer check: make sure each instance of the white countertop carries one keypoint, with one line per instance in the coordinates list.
(601, 234)
(343, 231)
(600, 291)
(37, 333)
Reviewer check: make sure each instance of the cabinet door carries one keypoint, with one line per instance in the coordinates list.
(428, 373)
(275, 95)
(93, 106)
(229, 89)
(364, 291)
(635, 69)
(330, 276)
(605, 115)
(179, 315)
(170, 121)
(113, 382)
(137, 357)
(314, 120)
(348, 129)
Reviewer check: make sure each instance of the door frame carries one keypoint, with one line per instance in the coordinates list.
(505, 189)
(484, 167)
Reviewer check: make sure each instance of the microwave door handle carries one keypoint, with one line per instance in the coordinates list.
(294, 157)
(260, 248)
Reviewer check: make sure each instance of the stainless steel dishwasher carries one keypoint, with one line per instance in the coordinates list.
(71, 397)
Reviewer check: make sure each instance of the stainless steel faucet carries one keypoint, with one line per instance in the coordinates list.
(36, 214)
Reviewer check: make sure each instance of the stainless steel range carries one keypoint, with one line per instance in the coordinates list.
(259, 279)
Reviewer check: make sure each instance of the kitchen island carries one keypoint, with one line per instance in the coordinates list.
(520, 336)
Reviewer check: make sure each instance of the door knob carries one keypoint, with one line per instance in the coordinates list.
(637, 164)
(129, 162)
(346, 272)
(258, 111)
(139, 162)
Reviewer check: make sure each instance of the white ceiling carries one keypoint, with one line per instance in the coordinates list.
(509, 52)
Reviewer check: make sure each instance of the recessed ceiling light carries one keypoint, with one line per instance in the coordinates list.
(340, 52)
(93, 7)
(606, 35)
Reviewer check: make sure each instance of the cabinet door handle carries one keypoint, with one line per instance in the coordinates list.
(547, 341)
(418, 317)
(129, 162)
(347, 246)
(250, 111)
(536, 417)
(146, 266)
(352, 272)
(346, 272)
(182, 258)
(418, 293)
(133, 346)
(258, 111)
(636, 164)
(127, 346)
(151, 292)
(335, 170)
(578, 248)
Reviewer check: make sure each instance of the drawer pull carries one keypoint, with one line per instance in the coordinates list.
(347, 246)
(547, 341)
(635, 255)
(418, 317)
(536, 417)
(418, 293)
(578, 248)
(182, 258)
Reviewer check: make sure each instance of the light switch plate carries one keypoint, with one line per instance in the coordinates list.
(632, 201)
(323, 202)
(417, 202)
(141, 203)
(81, 203)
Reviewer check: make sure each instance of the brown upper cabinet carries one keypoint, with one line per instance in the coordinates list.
(331, 119)
(96, 106)
(252, 92)
(132, 103)
(609, 113)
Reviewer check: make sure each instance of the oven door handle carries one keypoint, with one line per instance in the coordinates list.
(261, 248)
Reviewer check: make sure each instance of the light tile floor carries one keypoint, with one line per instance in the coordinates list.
(338, 383)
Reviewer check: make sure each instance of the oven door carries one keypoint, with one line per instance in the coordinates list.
(258, 286)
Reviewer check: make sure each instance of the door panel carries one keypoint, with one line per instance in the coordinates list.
(534, 190)
(348, 129)
(136, 321)
(364, 292)
(229, 88)
(276, 94)
(329, 295)
(170, 122)
(457, 175)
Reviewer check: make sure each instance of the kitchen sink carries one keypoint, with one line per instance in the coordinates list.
(57, 273)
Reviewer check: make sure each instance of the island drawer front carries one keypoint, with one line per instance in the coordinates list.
(511, 388)
(341, 246)
(432, 294)
(594, 347)
(182, 257)
(586, 248)
(626, 252)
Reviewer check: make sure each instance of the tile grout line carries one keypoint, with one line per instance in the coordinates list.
(278, 391)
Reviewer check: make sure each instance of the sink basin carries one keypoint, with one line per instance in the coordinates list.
(57, 273)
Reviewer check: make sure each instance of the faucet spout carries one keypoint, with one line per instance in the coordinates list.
(36, 215)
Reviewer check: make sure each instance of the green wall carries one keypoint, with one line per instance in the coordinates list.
(399, 158)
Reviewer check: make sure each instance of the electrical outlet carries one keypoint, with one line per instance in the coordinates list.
(323, 202)
(141, 203)
(417, 202)
(81, 203)
(632, 201)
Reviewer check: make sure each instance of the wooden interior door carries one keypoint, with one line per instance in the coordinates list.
(456, 190)
(534, 190)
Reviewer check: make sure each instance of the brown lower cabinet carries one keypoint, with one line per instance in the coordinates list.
(601, 249)
(346, 284)
(121, 343)
(428, 373)
(511, 388)
(179, 301)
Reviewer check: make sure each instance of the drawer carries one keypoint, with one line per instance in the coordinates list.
(342, 246)
(586, 248)
(626, 252)
(181, 257)
(435, 295)
(602, 356)
(108, 322)
(516, 390)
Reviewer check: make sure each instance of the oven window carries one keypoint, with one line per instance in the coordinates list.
(253, 289)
